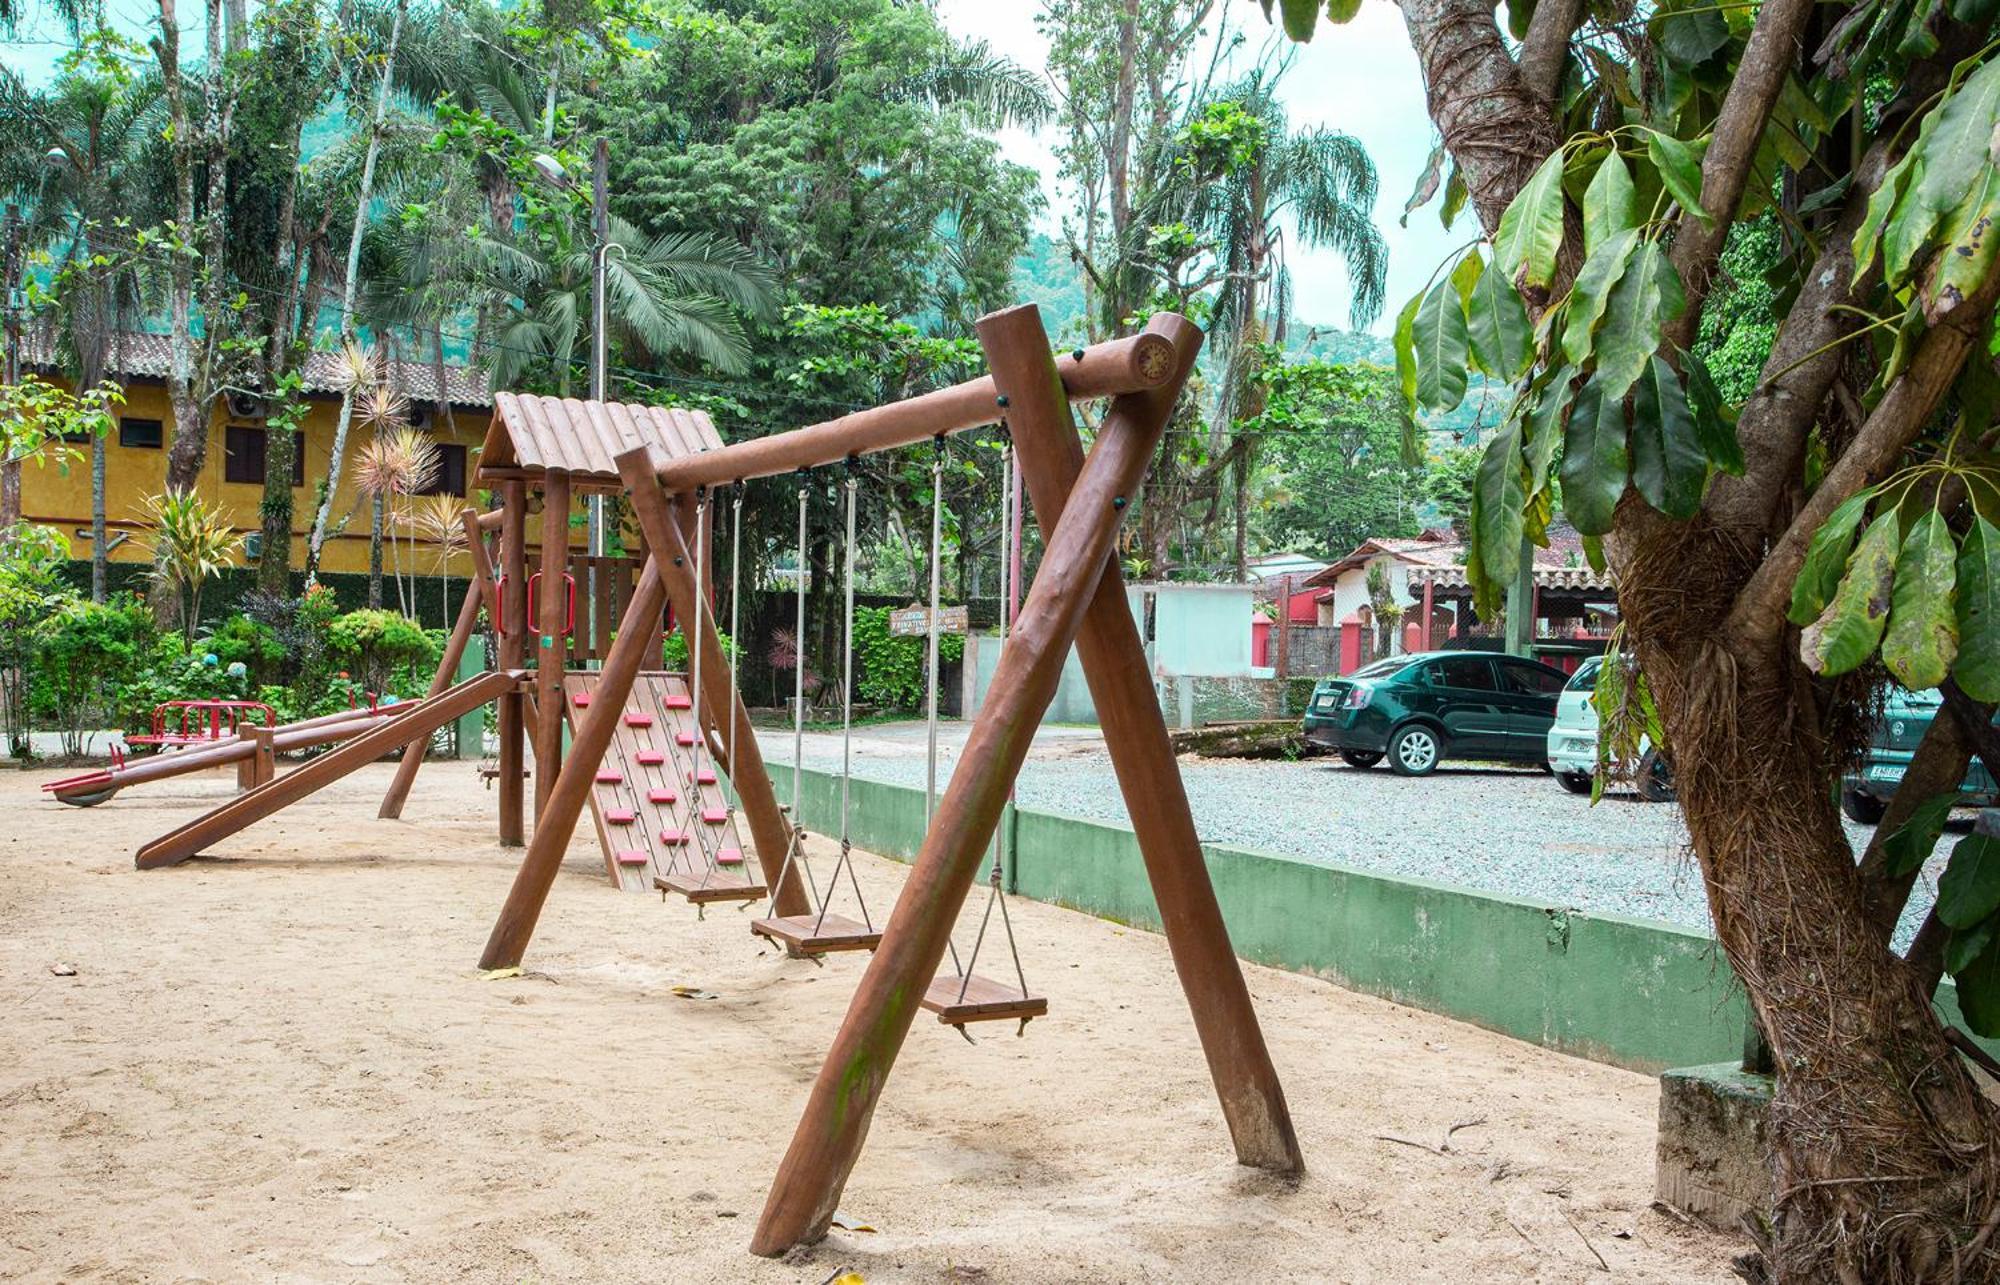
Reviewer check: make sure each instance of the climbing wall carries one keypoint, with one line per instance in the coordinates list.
(656, 812)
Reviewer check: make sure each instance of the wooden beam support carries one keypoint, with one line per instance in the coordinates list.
(511, 624)
(477, 594)
(551, 647)
(1050, 456)
(835, 1124)
(769, 830)
(1128, 365)
(556, 823)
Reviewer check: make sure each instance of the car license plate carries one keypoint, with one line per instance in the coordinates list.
(1886, 772)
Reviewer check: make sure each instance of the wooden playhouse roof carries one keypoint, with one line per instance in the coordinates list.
(532, 435)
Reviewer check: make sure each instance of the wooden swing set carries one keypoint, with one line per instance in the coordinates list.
(1077, 599)
(671, 465)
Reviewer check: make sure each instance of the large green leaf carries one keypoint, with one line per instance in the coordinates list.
(1594, 459)
(1962, 948)
(1300, 18)
(1669, 467)
(1909, 230)
(1441, 348)
(1339, 12)
(1427, 185)
(1712, 423)
(1545, 427)
(1406, 353)
(1969, 889)
(1502, 495)
(1910, 846)
(1979, 992)
(1847, 632)
(1646, 298)
(1531, 229)
(1978, 600)
(1497, 320)
(1592, 291)
(1608, 203)
(1826, 560)
(1956, 148)
(1923, 627)
(1881, 203)
(1679, 165)
(1970, 241)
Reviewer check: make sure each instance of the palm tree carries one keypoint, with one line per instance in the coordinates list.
(1251, 174)
(77, 152)
(436, 519)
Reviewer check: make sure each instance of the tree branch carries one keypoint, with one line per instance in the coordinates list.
(1758, 617)
(1547, 45)
(1768, 57)
(1937, 765)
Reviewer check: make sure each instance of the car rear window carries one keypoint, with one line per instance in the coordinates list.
(1381, 668)
(1585, 675)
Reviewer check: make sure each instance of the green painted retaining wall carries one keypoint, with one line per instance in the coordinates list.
(1630, 992)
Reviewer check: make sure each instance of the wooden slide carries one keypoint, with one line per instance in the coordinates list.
(423, 719)
(659, 817)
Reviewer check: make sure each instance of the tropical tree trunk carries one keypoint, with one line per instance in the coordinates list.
(375, 555)
(316, 543)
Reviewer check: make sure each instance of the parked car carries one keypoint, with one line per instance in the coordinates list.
(1865, 792)
(1572, 742)
(1422, 709)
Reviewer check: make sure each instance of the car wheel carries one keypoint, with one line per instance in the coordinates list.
(1862, 809)
(1656, 778)
(1361, 758)
(1415, 751)
(1575, 782)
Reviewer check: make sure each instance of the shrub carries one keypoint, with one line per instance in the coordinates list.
(31, 593)
(380, 648)
(891, 667)
(250, 643)
(90, 651)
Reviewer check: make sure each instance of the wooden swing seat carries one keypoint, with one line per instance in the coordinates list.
(984, 1000)
(715, 885)
(836, 932)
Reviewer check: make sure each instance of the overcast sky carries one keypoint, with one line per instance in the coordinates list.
(1361, 79)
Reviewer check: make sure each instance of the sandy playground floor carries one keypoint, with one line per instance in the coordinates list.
(278, 1063)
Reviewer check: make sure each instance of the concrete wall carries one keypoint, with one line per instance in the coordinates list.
(1632, 993)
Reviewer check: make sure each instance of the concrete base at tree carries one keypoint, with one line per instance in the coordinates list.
(1712, 1161)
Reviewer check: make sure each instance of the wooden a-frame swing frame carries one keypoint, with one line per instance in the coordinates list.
(1077, 598)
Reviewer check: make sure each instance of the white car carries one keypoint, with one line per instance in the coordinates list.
(1573, 741)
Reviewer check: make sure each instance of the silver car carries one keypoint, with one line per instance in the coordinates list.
(1573, 741)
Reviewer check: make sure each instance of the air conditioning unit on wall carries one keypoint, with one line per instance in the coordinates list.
(248, 406)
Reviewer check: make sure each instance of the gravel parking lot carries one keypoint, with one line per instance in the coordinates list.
(1504, 830)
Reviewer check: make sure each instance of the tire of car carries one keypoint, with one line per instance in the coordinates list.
(1361, 758)
(1415, 751)
(1862, 809)
(1656, 778)
(1575, 782)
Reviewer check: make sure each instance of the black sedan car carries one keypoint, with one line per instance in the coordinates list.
(1421, 709)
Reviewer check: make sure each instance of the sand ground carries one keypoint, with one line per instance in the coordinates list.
(278, 1063)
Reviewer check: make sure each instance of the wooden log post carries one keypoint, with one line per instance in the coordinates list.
(835, 1124)
(1283, 661)
(511, 624)
(769, 830)
(551, 647)
(1135, 735)
(556, 822)
(261, 763)
(477, 594)
(1430, 607)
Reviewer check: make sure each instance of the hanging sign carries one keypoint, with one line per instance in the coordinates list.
(915, 621)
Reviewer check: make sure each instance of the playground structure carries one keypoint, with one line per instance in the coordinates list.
(640, 737)
(1077, 599)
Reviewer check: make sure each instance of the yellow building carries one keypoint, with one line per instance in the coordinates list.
(233, 470)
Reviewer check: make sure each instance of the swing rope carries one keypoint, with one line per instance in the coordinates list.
(847, 723)
(692, 634)
(795, 853)
(995, 895)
